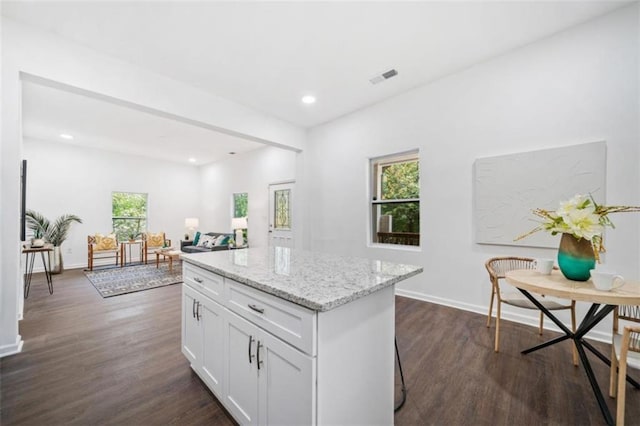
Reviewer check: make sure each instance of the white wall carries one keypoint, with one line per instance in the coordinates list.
(64, 178)
(45, 55)
(251, 173)
(578, 86)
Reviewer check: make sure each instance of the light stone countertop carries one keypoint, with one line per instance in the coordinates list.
(317, 281)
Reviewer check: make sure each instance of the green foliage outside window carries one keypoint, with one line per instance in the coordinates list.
(401, 181)
(240, 204)
(129, 214)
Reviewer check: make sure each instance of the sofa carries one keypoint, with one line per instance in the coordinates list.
(195, 245)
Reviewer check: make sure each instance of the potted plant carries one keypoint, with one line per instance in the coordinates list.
(581, 222)
(55, 233)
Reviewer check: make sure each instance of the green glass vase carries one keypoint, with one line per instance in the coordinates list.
(576, 258)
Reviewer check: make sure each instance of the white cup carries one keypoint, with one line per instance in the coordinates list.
(544, 266)
(606, 281)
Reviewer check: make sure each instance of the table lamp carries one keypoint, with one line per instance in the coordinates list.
(191, 223)
(239, 223)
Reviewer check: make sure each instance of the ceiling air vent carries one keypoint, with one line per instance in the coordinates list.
(384, 76)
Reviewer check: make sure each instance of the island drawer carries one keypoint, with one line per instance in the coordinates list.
(292, 323)
(208, 283)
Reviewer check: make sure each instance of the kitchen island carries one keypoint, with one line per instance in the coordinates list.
(285, 336)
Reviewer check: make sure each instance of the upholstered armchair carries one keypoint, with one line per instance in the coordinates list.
(102, 247)
(152, 242)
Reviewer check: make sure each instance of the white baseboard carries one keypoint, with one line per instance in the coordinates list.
(66, 267)
(509, 316)
(13, 348)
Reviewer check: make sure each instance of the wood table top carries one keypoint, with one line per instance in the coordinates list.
(26, 248)
(557, 285)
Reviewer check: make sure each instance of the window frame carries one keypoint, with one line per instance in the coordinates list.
(375, 168)
(144, 219)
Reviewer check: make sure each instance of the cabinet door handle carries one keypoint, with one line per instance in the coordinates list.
(193, 308)
(255, 308)
(250, 356)
(198, 311)
(258, 352)
(198, 280)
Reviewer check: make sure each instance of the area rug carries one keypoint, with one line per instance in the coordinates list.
(116, 281)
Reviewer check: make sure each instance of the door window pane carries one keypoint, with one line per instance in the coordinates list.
(282, 212)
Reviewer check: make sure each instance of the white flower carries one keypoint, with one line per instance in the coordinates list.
(578, 201)
(583, 223)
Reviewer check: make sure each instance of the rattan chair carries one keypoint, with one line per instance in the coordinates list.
(151, 244)
(625, 351)
(94, 252)
(497, 268)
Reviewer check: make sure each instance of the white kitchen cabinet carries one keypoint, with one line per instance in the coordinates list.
(212, 324)
(286, 382)
(203, 337)
(241, 372)
(267, 381)
(191, 330)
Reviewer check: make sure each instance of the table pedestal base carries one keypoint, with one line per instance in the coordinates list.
(591, 319)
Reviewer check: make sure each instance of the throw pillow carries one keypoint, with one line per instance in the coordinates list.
(219, 240)
(106, 242)
(196, 238)
(211, 242)
(155, 240)
(224, 240)
(204, 240)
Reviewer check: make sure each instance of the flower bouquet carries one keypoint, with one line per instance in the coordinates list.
(581, 221)
(581, 217)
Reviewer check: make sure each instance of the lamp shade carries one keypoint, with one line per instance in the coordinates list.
(191, 222)
(239, 223)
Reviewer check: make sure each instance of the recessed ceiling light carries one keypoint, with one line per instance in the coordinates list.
(66, 136)
(192, 160)
(308, 99)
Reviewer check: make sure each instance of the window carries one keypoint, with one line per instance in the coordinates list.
(395, 203)
(128, 214)
(240, 209)
(240, 204)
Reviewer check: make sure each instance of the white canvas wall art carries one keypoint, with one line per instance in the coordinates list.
(508, 187)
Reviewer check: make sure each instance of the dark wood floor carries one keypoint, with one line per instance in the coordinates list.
(89, 360)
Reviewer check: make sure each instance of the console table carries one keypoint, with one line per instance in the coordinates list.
(30, 257)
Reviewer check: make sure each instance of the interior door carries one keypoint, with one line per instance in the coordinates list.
(280, 220)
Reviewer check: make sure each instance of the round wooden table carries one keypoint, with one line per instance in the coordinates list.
(602, 303)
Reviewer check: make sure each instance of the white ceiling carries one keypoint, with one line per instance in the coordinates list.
(266, 55)
(48, 112)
